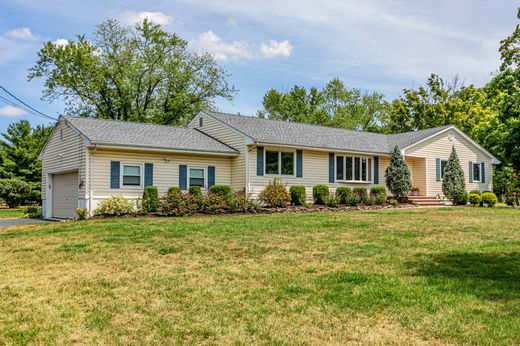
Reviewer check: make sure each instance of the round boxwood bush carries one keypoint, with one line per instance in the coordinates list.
(221, 190)
(150, 199)
(378, 195)
(462, 199)
(320, 193)
(474, 199)
(298, 195)
(174, 190)
(477, 192)
(344, 193)
(195, 190)
(489, 199)
(359, 195)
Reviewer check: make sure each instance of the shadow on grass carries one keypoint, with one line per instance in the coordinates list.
(490, 276)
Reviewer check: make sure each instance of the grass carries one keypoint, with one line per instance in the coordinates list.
(11, 213)
(416, 276)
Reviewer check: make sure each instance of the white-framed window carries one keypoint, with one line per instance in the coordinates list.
(476, 172)
(277, 162)
(132, 175)
(353, 168)
(197, 176)
(444, 163)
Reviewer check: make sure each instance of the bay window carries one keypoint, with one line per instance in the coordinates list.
(353, 168)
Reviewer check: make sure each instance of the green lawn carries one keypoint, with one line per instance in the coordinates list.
(411, 276)
(11, 213)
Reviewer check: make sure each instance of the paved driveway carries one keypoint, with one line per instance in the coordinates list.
(15, 222)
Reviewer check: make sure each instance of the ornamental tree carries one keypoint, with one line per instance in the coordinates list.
(397, 176)
(453, 185)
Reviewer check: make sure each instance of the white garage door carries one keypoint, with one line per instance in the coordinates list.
(65, 195)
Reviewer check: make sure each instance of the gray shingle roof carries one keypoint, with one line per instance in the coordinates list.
(120, 133)
(298, 134)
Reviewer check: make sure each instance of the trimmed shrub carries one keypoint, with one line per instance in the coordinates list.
(489, 199)
(174, 190)
(462, 200)
(453, 184)
(476, 192)
(115, 205)
(14, 192)
(275, 194)
(378, 195)
(331, 201)
(82, 213)
(221, 190)
(176, 203)
(344, 193)
(474, 199)
(195, 190)
(150, 199)
(238, 203)
(397, 176)
(320, 193)
(359, 195)
(33, 212)
(298, 195)
(216, 204)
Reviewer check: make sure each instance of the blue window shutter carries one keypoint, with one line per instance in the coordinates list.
(211, 176)
(483, 172)
(148, 174)
(470, 170)
(376, 170)
(331, 167)
(259, 160)
(183, 177)
(114, 174)
(438, 169)
(299, 164)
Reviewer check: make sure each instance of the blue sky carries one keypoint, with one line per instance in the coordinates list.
(372, 45)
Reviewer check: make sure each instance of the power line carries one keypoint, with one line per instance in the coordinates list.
(25, 110)
(25, 104)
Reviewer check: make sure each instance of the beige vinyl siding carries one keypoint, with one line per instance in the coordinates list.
(315, 171)
(165, 173)
(440, 147)
(64, 155)
(417, 168)
(234, 140)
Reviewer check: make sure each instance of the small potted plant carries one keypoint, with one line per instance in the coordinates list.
(415, 191)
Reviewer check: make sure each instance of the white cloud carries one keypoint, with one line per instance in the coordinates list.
(61, 42)
(21, 34)
(10, 112)
(210, 42)
(276, 48)
(131, 17)
(238, 50)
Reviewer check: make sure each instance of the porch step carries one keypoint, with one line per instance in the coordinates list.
(425, 201)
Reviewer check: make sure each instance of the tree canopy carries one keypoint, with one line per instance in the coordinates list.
(138, 73)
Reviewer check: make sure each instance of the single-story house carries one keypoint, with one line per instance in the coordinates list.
(86, 160)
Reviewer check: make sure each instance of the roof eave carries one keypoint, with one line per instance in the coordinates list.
(296, 146)
(101, 145)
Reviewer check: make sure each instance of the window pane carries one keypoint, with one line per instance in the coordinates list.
(443, 167)
(348, 168)
(476, 172)
(196, 173)
(197, 182)
(288, 163)
(357, 168)
(339, 168)
(369, 170)
(271, 162)
(363, 169)
(131, 170)
(131, 180)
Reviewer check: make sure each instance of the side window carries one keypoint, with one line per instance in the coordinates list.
(197, 176)
(444, 163)
(476, 172)
(131, 175)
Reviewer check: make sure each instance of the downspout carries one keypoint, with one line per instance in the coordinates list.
(91, 172)
(248, 168)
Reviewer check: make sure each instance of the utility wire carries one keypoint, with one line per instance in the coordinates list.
(25, 104)
(17, 106)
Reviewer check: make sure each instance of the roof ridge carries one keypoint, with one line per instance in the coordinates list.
(126, 122)
(292, 122)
